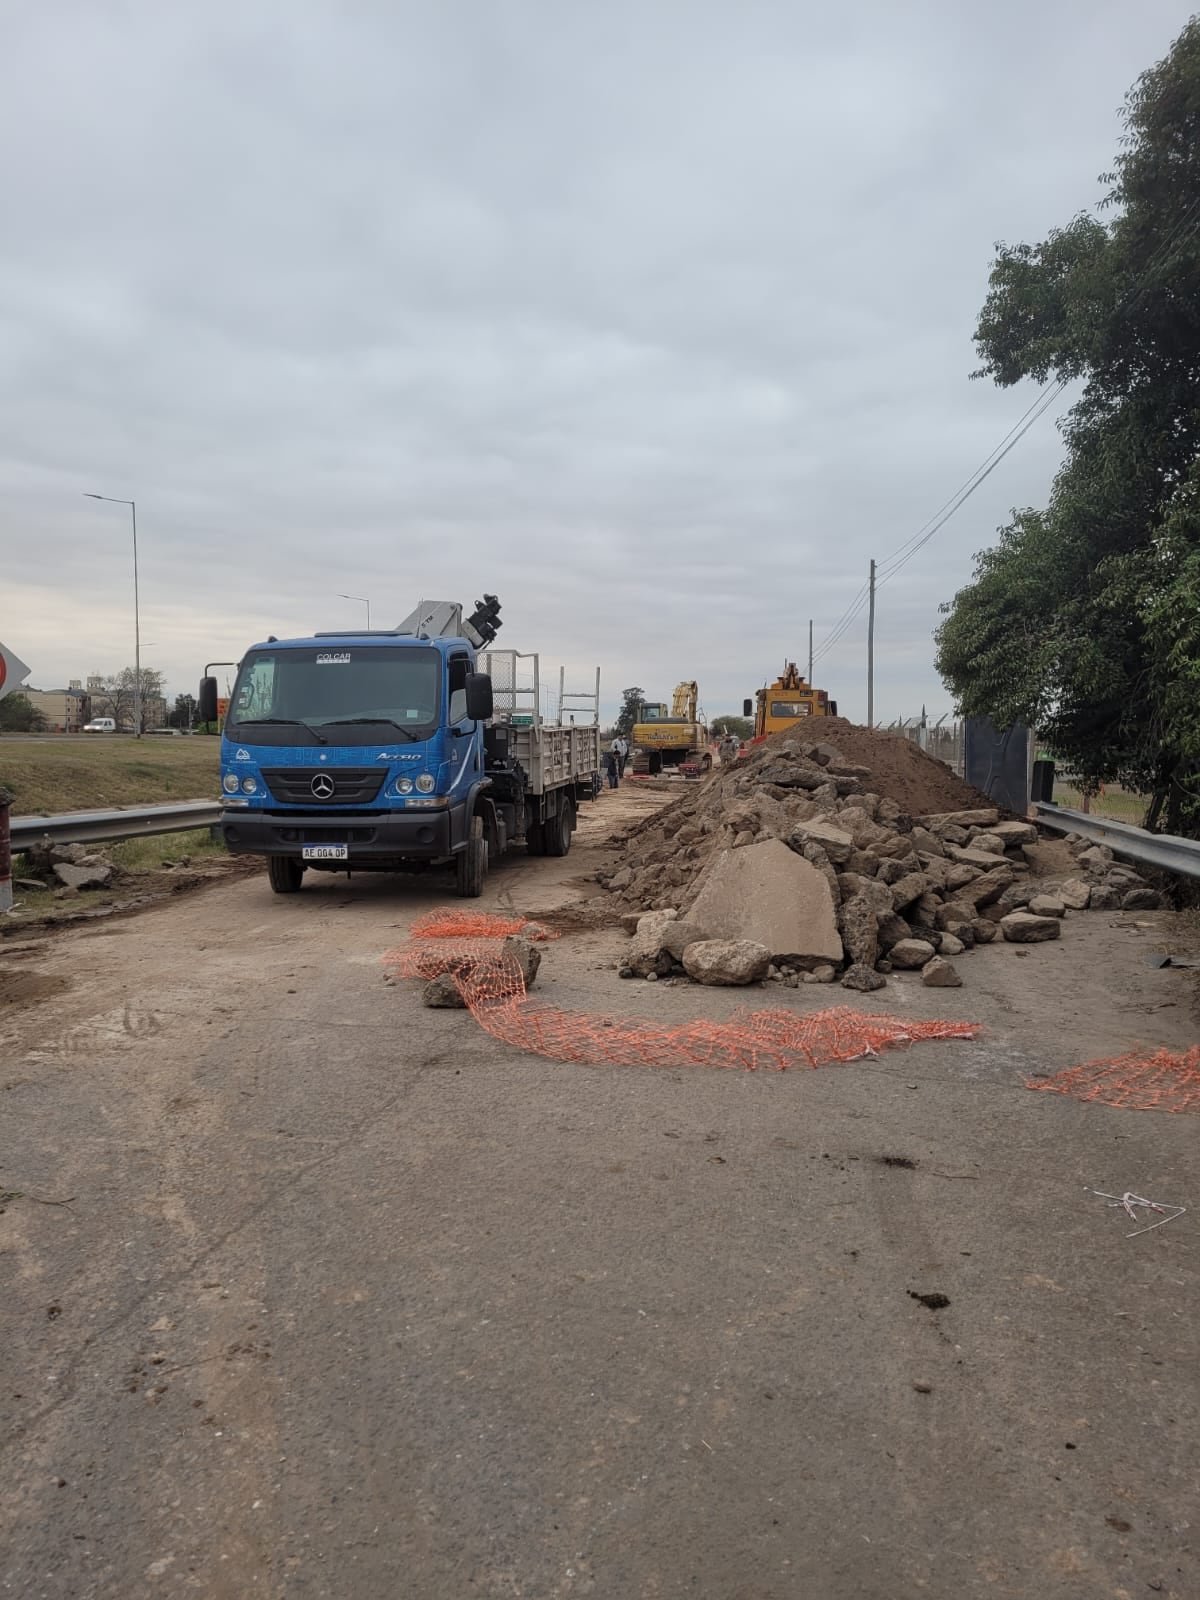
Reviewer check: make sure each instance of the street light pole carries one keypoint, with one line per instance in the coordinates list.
(137, 623)
(362, 600)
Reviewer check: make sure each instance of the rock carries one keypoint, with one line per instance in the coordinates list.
(741, 840)
(952, 916)
(1096, 858)
(860, 934)
(824, 753)
(963, 819)
(836, 842)
(923, 912)
(652, 977)
(768, 894)
(1051, 858)
(984, 931)
(679, 934)
(1104, 897)
(525, 953)
(1014, 834)
(90, 877)
(909, 888)
(1142, 900)
(987, 888)
(894, 868)
(1017, 896)
(951, 945)
(30, 885)
(910, 955)
(784, 775)
(727, 962)
(1047, 905)
(442, 993)
(923, 839)
(939, 974)
(630, 920)
(877, 892)
(1074, 894)
(951, 833)
(645, 950)
(1022, 927)
(73, 855)
(821, 974)
(891, 930)
(982, 839)
(864, 979)
(985, 860)
(620, 880)
(960, 875)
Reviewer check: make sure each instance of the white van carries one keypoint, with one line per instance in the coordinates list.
(101, 725)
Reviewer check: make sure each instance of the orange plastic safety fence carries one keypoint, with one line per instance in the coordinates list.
(491, 984)
(1165, 1080)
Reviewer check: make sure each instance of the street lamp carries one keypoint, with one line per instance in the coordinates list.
(362, 599)
(137, 627)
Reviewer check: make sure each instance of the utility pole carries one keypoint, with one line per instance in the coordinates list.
(137, 625)
(810, 661)
(871, 653)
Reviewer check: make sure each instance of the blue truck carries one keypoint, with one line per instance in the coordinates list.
(404, 749)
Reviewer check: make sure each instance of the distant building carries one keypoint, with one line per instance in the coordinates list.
(64, 710)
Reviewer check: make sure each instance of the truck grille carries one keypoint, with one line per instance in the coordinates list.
(352, 786)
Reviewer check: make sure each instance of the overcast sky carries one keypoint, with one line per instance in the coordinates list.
(652, 318)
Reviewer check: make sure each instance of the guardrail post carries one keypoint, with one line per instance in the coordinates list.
(6, 888)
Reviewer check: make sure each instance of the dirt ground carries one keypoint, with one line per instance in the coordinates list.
(313, 1292)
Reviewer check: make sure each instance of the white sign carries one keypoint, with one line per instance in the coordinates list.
(13, 671)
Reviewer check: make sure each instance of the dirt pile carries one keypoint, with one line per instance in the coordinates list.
(897, 855)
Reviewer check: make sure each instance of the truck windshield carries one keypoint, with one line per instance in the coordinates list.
(351, 695)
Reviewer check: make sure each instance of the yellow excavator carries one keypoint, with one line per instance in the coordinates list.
(671, 741)
(780, 704)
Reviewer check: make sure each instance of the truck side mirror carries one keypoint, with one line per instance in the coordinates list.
(208, 700)
(747, 708)
(833, 708)
(479, 697)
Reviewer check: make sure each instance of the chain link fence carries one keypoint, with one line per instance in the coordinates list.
(940, 737)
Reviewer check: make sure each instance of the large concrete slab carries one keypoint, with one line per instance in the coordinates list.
(768, 893)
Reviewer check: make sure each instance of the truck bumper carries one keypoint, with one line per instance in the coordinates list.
(374, 839)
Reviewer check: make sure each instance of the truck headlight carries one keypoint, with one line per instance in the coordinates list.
(249, 785)
(425, 783)
(404, 785)
(230, 783)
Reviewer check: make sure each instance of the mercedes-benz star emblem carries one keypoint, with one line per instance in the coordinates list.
(322, 786)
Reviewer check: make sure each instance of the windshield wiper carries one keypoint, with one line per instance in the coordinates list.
(354, 722)
(279, 722)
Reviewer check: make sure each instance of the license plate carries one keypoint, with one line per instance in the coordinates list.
(325, 852)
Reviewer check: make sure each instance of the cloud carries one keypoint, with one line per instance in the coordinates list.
(655, 321)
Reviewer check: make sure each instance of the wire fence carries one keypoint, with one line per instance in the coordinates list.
(941, 737)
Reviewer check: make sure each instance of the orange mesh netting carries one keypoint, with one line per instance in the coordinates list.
(491, 983)
(1166, 1080)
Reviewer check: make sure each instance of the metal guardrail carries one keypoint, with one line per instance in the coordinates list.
(1164, 850)
(94, 827)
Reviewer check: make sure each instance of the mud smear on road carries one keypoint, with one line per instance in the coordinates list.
(23, 988)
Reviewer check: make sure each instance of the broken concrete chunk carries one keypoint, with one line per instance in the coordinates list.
(1047, 905)
(910, 955)
(951, 945)
(909, 888)
(892, 928)
(1022, 927)
(836, 842)
(644, 952)
(769, 894)
(727, 962)
(442, 993)
(1074, 893)
(985, 860)
(983, 818)
(923, 839)
(1096, 858)
(860, 931)
(90, 877)
(939, 974)
(864, 979)
(1014, 834)
(984, 931)
(1104, 897)
(1142, 900)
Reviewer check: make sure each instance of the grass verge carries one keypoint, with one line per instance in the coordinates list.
(98, 772)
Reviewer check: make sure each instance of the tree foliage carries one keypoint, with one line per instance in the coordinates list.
(631, 709)
(18, 714)
(184, 712)
(741, 726)
(1082, 620)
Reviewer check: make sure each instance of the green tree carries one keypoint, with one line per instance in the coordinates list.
(631, 709)
(18, 714)
(183, 713)
(741, 726)
(1081, 620)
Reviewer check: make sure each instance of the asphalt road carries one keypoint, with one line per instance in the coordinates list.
(309, 1291)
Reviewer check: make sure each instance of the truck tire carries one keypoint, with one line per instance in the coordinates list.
(559, 829)
(286, 874)
(470, 865)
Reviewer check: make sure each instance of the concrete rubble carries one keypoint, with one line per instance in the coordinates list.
(810, 859)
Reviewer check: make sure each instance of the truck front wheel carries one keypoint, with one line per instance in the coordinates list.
(286, 874)
(470, 865)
